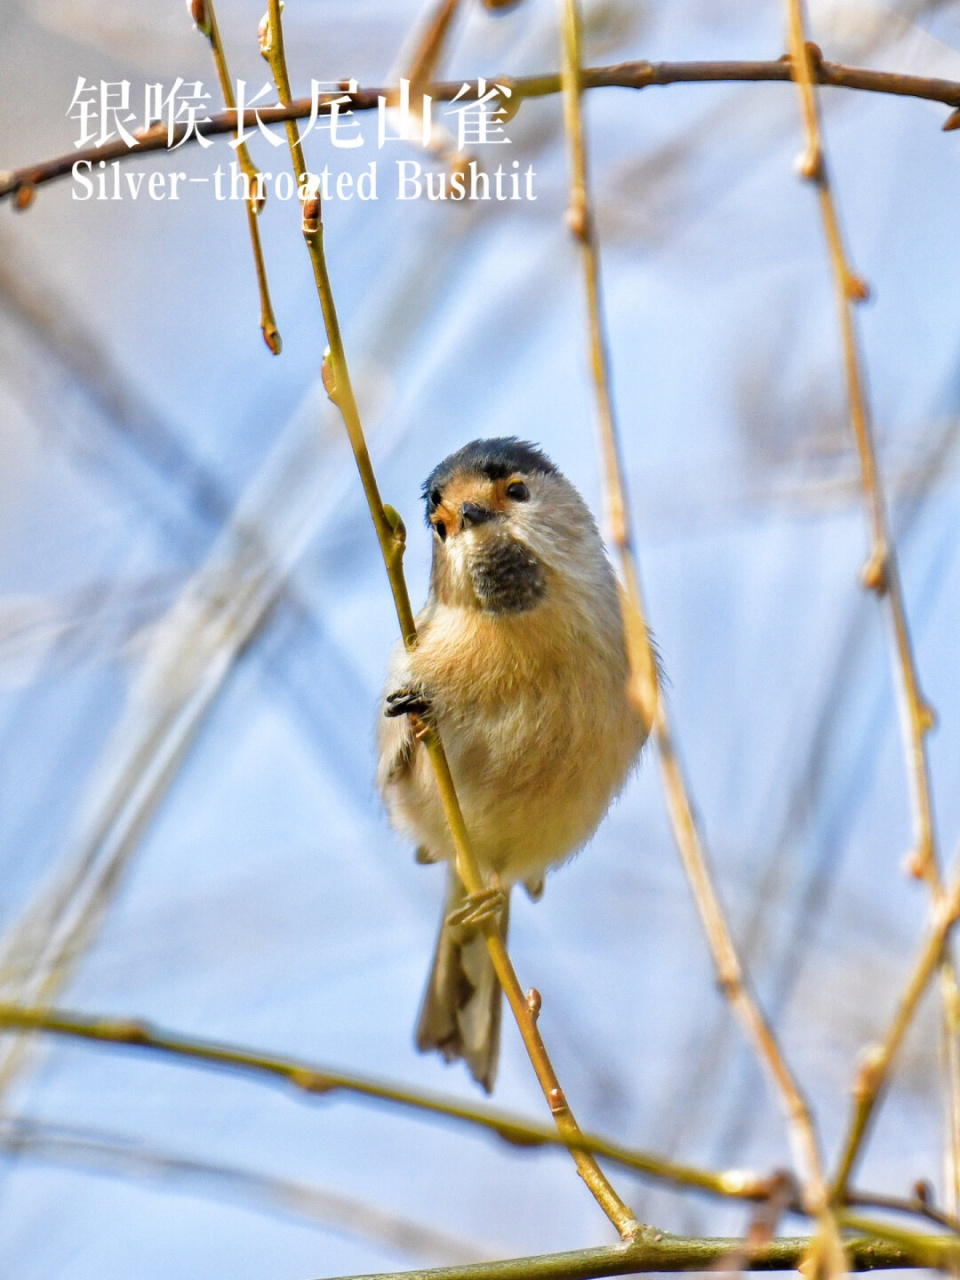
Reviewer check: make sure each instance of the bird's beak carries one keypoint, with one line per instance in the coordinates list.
(471, 514)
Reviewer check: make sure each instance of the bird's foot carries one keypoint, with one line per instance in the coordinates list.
(408, 702)
(477, 908)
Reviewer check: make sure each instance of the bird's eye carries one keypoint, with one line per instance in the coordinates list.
(435, 496)
(441, 529)
(518, 491)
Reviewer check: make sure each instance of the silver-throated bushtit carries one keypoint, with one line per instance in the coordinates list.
(521, 665)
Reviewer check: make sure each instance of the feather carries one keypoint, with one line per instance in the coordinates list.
(461, 1011)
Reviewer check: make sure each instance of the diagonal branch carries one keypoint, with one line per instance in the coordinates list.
(644, 687)
(391, 536)
(205, 16)
(881, 574)
(875, 1070)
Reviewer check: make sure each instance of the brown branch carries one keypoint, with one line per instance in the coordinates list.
(625, 75)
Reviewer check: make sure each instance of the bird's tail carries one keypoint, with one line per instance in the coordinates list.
(461, 1010)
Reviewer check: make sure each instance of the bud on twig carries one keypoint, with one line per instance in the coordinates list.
(328, 375)
(311, 216)
(924, 1193)
(809, 164)
(201, 17)
(873, 575)
(578, 220)
(557, 1101)
(264, 36)
(397, 528)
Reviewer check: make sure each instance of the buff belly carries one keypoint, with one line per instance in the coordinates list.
(531, 796)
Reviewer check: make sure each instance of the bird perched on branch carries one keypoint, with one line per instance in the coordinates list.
(521, 666)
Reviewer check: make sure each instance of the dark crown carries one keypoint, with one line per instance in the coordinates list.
(496, 459)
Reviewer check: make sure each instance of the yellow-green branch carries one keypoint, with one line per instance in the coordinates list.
(204, 15)
(315, 1080)
(390, 534)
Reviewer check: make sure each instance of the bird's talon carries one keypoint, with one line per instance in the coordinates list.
(478, 908)
(407, 702)
(421, 727)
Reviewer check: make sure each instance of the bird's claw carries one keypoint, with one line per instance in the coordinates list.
(407, 702)
(477, 908)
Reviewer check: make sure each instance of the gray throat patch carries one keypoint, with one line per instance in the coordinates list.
(508, 578)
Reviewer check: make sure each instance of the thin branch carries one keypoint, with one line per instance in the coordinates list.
(122, 1157)
(315, 1080)
(917, 1207)
(875, 1069)
(204, 15)
(20, 183)
(429, 50)
(881, 574)
(930, 1251)
(391, 536)
(644, 685)
(656, 1251)
(419, 65)
(642, 688)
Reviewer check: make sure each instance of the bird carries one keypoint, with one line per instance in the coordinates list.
(521, 667)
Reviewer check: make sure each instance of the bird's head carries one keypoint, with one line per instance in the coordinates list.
(508, 528)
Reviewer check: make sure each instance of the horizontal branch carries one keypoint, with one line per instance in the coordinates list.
(317, 1080)
(625, 75)
(656, 1251)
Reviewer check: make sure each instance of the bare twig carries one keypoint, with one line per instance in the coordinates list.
(915, 1206)
(314, 1080)
(875, 1069)
(643, 686)
(391, 536)
(881, 574)
(656, 1251)
(626, 75)
(644, 673)
(941, 1252)
(418, 66)
(122, 1157)
(205, 17)
(426, 56)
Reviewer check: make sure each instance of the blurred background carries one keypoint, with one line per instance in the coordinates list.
(195, 620)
